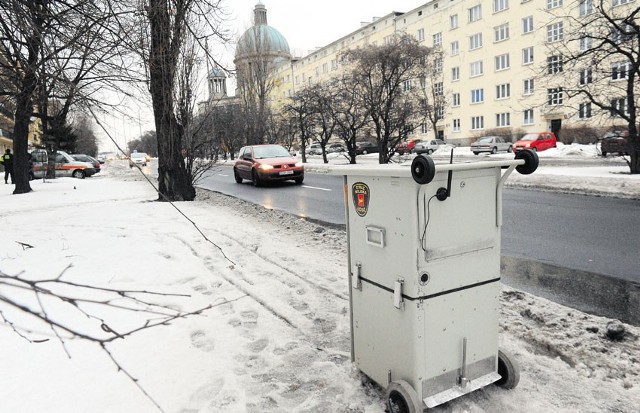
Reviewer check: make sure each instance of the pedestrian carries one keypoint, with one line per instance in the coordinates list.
(7, 161)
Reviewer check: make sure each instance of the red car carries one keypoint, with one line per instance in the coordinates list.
(407, 146)
(263, 163)
(538, 141)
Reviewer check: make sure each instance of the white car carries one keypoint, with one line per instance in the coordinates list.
(138, 158)
(428, 146)
(491, 144)
(65, 165)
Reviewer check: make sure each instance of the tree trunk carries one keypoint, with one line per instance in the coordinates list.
(173, 179)
(21, 139)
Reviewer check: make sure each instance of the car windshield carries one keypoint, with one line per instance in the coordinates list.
(530, 137)
(487, 139)
(272, 151)
(138, 155)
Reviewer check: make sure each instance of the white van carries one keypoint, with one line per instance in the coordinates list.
(65, 165)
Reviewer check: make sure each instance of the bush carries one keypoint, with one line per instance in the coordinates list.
(581, 134)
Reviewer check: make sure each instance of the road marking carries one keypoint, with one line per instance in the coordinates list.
(315, 187)
(222, 175)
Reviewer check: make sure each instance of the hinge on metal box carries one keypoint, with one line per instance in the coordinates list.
(355, 281)
(398, 302)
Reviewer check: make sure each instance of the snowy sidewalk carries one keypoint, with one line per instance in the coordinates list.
(277, 337)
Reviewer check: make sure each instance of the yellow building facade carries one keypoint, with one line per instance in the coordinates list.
(494, 65)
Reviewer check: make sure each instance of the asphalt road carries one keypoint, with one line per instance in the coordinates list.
(586, 233)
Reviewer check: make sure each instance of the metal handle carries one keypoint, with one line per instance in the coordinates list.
(398, 302)
(356, 282)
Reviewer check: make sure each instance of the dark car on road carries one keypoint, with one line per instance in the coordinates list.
(615, 142)
(365, 147)
(264, 163)
(89, 159)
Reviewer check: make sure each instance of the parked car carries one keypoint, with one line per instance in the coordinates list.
(137, 158)
(538, 141)
(491, 144)
(428, 146)
(336, 147)
(262, 163)
(365, 147)
(65, 165)
(407, 146)
(615, 142)
(89, 159)
(314, 149)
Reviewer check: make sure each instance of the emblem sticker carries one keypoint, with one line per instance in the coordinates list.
(360, 194)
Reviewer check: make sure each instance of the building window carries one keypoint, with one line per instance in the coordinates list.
(527, 55)
(297, 80)
(438, 89)
(423, 128)
(477, 122)
(586, 76)
(455, 48)
(334, 64)
(499, 5)
(584, 110)
(455, 99)
(325, 68)
(586, 7)
(620, 70)
(554, 64)
(475, 41)
(475, 13)
(439, 112)
(623, 33)
(619, 106)
(527, 117)
(503, 91)
(456, 125)
(423, 82)
(503, 120)
(554, 96)
(455, 73)
(406, 85)
(420, 35)
(475, 68)
(501, 32)
(555, 32)
(453, 21)
(552, 4)
(502, 62)
(437, 65)
(619, 2)
(528, 87)
(477, 96)
(527, 24)
(586, 42)
(437, 39)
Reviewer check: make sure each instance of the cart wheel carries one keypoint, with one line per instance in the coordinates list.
(423, 169)
(402, 398)
(509, 370)
(530, 161)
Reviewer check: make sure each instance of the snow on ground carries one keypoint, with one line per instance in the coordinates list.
(276, 338)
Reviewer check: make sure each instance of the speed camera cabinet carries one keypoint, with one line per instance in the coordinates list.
(424, 277)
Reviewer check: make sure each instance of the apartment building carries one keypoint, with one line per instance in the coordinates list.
(499, 68)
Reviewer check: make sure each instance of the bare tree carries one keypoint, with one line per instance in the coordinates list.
(384, 76)
(349, 113)
(597, 66)
(322, 96)
(301, 111)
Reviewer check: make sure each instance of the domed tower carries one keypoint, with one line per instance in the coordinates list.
(261, 45)
(260, 50)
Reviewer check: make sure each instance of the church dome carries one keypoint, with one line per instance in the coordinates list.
(262, 38)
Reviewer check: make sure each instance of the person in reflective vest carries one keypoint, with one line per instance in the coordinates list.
(7, 162)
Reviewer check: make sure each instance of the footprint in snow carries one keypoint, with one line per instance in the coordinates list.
(200, 341)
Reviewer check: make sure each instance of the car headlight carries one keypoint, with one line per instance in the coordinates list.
(299, 164)
(265, 167)
(527, 145)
